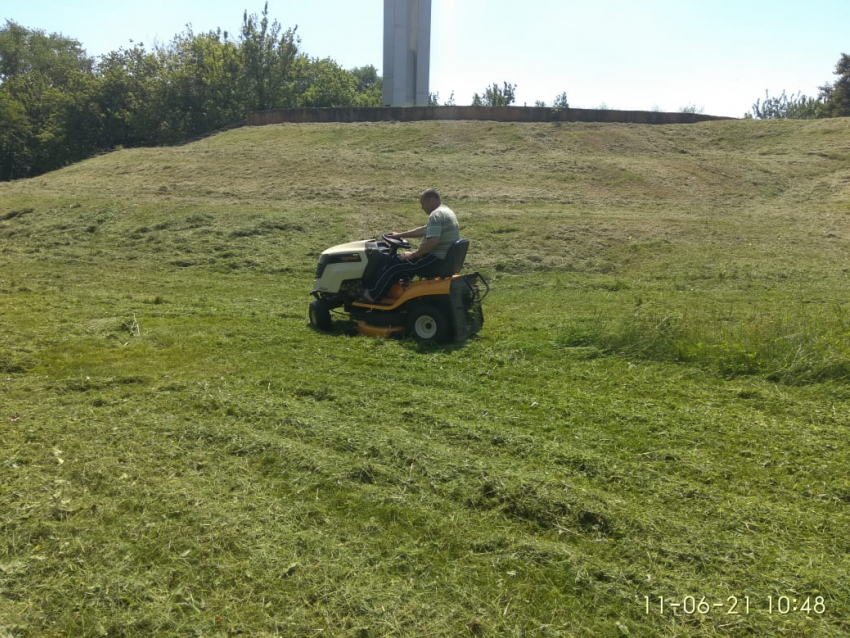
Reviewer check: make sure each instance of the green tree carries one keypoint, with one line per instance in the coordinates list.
(367, 78)
(202, 93)
(57, 105)
(795, 107)
(325, 83)
(561, 103)
(369, 86)
(692, 108)
(81, 120)
(52, 79)
(15, 142)
(268, 56)
(434, 99)
(133, 96)
(833, 100)
(24, 51)
(836, 96)
(495, 96)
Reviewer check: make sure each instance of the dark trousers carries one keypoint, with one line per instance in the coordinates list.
(398, 268)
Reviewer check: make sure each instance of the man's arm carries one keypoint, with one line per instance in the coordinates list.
(416, 232)
(424, 248)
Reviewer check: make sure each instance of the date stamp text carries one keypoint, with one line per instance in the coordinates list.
(735, 605)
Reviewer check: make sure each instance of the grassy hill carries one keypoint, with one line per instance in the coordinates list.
(656, 408)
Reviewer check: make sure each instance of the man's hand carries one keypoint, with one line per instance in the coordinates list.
(406, 254)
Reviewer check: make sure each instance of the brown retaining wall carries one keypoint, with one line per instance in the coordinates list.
(490, 113)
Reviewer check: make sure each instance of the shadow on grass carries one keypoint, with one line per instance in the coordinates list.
(348, 328)
(430, 347)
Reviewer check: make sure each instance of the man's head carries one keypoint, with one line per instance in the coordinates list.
(429, 200)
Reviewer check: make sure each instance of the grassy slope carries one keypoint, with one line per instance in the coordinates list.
(657, 405)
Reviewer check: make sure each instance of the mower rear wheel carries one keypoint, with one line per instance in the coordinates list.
(428, 323)
(320, 315)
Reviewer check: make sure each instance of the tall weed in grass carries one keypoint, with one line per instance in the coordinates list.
(803, 344)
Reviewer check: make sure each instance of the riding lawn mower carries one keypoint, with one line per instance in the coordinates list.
(440, 305)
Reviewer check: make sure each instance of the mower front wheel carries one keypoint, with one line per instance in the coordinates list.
(428, 323)
(320, 315)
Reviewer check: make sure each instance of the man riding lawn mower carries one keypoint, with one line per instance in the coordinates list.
(372, 282)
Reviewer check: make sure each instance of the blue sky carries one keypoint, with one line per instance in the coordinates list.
(718, 55)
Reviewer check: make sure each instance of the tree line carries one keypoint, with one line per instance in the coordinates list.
(833, 100)
(58, 105)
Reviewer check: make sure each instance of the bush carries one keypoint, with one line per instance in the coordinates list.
(794, 107)
(561, 103)
(495, 96)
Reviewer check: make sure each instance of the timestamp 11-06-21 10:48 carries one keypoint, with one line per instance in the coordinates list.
(735, 605)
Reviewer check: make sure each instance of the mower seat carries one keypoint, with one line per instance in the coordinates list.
(452, 264)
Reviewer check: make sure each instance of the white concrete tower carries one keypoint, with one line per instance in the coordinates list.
(407, 52)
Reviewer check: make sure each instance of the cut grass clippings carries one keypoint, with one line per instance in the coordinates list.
(647, 438)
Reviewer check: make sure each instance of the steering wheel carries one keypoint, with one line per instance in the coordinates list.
(395, 242)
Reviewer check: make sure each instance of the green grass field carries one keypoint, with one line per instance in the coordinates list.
(649, 437)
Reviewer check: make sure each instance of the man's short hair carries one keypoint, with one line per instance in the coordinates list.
(430, 194)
